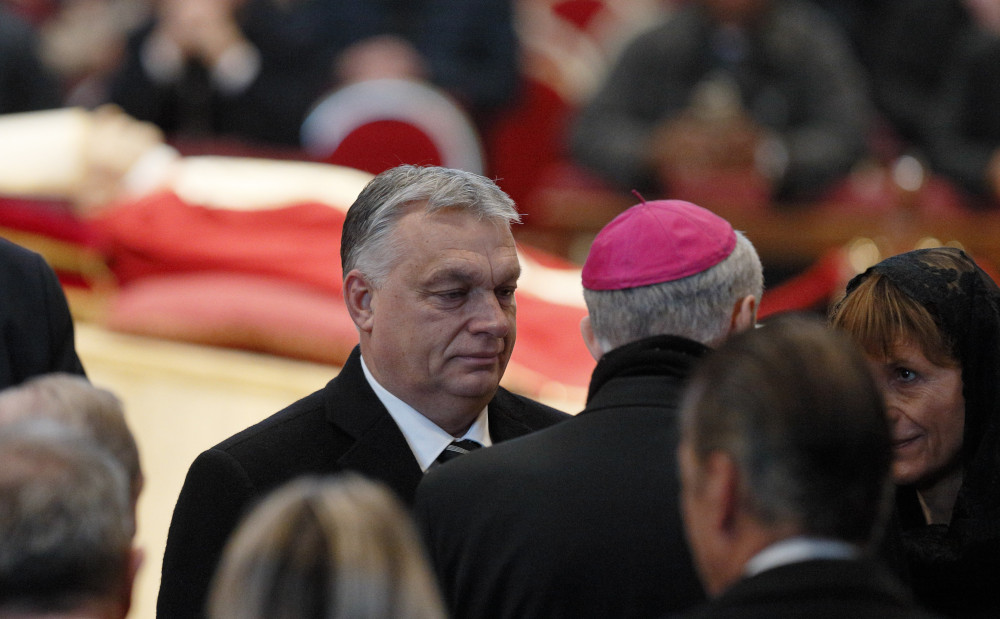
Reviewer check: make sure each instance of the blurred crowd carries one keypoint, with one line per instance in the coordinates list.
(787, 97)
(248, 68)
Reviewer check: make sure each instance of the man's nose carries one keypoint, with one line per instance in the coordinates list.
(491, 317)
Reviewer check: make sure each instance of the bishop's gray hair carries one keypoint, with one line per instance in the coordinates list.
(698, 307)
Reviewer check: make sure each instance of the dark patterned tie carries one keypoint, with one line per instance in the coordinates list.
(456, 449)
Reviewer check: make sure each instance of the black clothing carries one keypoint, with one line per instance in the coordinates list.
(297, 42)
(341, 427)
(815, 589)
(470, 47)
(581, 519)
(913, 49)
(965, 132)
(35, 323)
(26, 84)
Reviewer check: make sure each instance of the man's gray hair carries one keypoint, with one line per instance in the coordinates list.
(366, 242)
(698, 307)
(65, 519)
(75, 401)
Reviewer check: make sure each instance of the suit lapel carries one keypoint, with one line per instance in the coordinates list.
(383, 453)
(380, 450)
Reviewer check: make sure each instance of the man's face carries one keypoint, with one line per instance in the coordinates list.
(443, 322)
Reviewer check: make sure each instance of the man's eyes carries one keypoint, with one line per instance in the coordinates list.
(504, 293)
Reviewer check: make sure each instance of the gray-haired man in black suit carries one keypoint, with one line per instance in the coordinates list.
(430, 269)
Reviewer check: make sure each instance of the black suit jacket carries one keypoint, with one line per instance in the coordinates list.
(579, 520)
(341, 427)
(819, 589)
(35, 322)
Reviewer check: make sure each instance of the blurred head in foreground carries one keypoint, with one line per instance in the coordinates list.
(340, 547)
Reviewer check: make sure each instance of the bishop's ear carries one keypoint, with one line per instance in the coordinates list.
(744, 314)
(590, 340)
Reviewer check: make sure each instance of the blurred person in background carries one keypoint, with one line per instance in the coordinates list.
(933, 71)
(252, 69)
(26, 84)
(240, 70)
(468, 48)
(764, 97)
(964, 135)
(83, 43)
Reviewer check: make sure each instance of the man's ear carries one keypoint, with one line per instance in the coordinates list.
(744, 314)
(721, 482)
(717, 522)
(358, 298)
(136, 558)
(590, 340)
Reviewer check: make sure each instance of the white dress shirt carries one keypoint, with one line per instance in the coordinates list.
(426, 439)
(797, 549)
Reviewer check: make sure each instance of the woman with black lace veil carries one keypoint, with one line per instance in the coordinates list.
(929, 321)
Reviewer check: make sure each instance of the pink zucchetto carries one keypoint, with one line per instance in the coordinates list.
(656, 242)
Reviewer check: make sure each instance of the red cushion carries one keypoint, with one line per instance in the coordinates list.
(67, 242)
(237, 311)
(160, 235)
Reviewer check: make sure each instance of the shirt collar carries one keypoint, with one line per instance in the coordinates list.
(796, 549)
(426, 439)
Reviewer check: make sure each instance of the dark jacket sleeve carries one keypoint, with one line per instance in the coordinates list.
(216, 484)
(36, 328)
(62, 336)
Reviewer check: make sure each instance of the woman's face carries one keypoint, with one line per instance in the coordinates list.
(926, 412)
